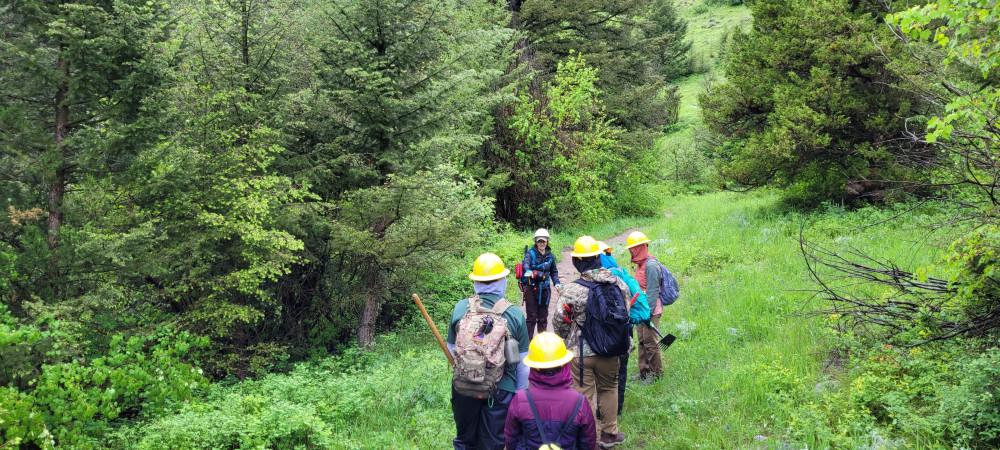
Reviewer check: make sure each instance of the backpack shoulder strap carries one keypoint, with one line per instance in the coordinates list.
(534, 414)
(571, 418)
(475, 304)
(501, 306)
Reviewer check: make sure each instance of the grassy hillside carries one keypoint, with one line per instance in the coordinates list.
(745, 348)
(707, 26)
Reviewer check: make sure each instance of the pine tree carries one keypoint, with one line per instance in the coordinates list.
(404, 89)
(72, 69)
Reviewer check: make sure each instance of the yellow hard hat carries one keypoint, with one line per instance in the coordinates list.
(547, 350)
(488, 267)
(603, 246)
(636, 238)
(585, 246)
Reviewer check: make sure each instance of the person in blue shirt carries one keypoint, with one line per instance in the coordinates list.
(607, 259)
(540, 274)
(638, 313)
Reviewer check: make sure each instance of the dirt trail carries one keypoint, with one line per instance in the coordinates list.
(568, 273)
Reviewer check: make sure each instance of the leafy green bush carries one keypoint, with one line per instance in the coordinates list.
(970, 410)
(821, 115)
(74, 404)
(399, 399)
(575, 163)
(244, 422)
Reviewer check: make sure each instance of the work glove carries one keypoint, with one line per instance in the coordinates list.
(559, 288)
(567, 312)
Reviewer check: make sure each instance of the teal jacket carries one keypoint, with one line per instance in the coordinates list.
(639, 313)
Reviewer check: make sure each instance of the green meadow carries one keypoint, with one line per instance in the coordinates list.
(750, 352)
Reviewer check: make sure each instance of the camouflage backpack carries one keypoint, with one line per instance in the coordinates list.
(479, 349)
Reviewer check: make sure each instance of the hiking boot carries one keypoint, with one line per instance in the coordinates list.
(611, 440)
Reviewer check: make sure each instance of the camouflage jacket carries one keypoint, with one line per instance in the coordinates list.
(571, 308)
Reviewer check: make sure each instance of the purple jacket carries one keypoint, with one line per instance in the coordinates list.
(554, 398)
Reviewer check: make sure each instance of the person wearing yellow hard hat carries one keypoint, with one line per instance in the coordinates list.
(487, 336)
(607, 259)
(540, 273)
(649, 273)
(567, 421)
(592, 315)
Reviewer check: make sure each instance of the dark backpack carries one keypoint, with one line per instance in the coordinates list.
(669, 290)
(606, 326)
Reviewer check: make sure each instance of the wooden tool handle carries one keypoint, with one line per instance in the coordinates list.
(437, 335)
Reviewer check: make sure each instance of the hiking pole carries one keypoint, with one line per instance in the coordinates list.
(434, 329)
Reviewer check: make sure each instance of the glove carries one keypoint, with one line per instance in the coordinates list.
(534, 274)
(559, 289)
(567, 311)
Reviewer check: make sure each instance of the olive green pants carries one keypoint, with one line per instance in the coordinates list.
(650, 364)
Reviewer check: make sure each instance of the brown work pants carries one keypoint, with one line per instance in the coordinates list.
(600, 386)
(650, 364)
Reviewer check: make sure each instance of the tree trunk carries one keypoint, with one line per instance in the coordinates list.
(57, 186)
(245, 34)
(370, 312)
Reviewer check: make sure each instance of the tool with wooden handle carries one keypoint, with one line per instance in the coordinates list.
(437, 335)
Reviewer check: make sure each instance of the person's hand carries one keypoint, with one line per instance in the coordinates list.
(559, 288)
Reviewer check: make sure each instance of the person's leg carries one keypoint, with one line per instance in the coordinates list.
(606, 380)
(530, 308)
(585, 386)
(465, 410)
(622, 378)
(647, 349)
(492, 421)
(656, 360)
(542, 314)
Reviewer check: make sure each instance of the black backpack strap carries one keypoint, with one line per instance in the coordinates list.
(572, 417)
(534, 414)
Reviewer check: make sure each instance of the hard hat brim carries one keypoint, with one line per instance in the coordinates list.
(498, 276)
(548, 364)
(586, 254)
(644, 241)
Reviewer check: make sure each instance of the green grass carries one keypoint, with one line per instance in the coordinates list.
(706, 29)
(744, 345)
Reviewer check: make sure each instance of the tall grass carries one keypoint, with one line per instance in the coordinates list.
(745, 339)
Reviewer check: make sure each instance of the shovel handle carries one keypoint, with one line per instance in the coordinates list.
(434, 329)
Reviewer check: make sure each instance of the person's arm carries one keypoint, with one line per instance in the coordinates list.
(512, 426)
(652, 281)
(452, 332)
(560, 326)
(555, 271)
(522, 373)
(521, 334)
(587, 433)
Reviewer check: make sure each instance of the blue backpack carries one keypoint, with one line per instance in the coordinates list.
(606, 328)
(669, 290)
